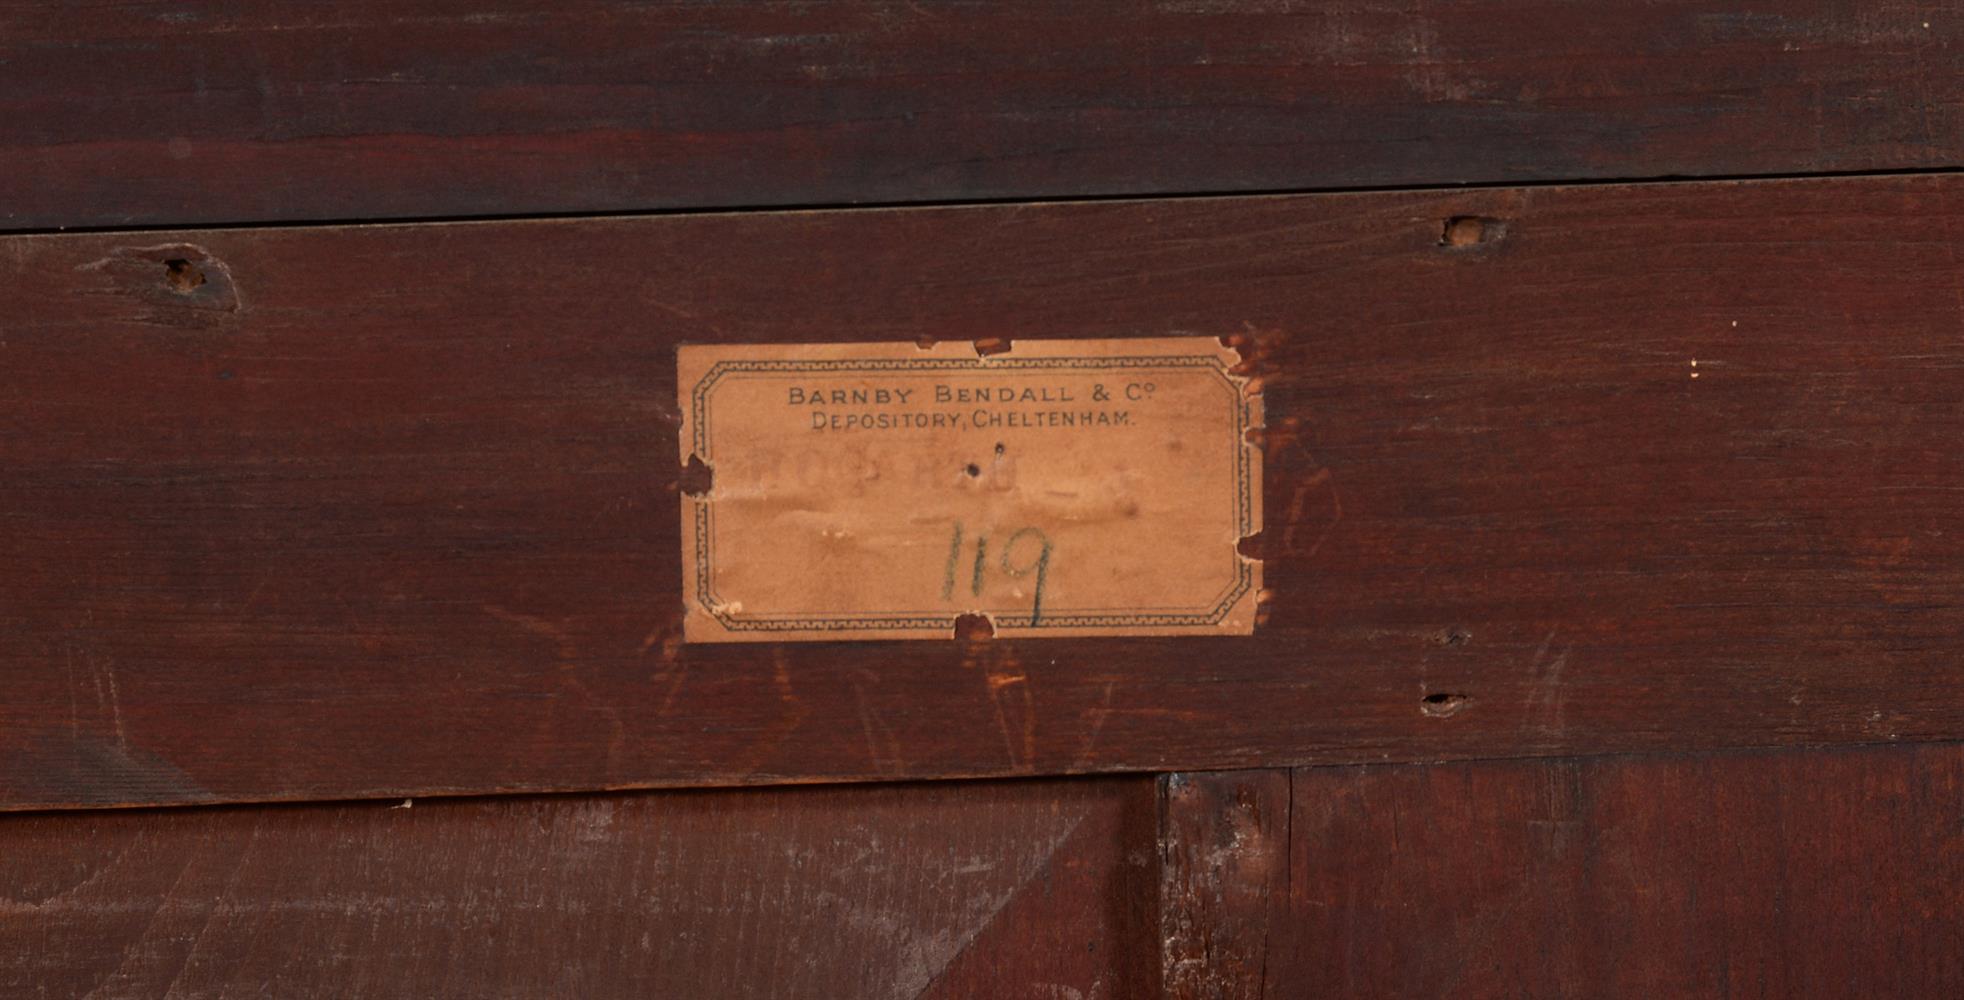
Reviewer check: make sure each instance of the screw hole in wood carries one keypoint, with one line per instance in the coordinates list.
(182, 276)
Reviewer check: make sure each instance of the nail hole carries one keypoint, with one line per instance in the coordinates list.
(973, 470)
(1443, 704)
(182, 275)
(697, 477)
(1470, 230)
(974, 628)
(1454, 637)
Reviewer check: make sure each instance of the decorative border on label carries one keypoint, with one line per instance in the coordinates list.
(1244, 496)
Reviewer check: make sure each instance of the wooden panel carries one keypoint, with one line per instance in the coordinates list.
(1818, 874)
(890, 891)
(388, 510)
(1224, 878)
(234, 110)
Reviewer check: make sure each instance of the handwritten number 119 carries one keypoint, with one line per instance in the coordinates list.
(1017, 549)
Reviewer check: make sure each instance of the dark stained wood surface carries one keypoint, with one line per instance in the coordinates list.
(1031, 889)
(224, 111)
(1804, 872)
(377, 511)
(1224, 857)
(1823, 874)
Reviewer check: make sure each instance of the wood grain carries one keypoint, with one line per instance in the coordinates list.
(1796, 873)
(375, 511)
(1224, 856)
(1801, 872)
(1035, 888)
(223, 111)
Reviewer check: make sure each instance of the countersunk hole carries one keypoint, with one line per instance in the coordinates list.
(1443, 704)
(182, 275)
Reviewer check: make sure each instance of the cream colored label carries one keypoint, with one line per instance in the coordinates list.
(881, 491)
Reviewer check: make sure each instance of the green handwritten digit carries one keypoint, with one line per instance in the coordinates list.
(1040, 566)
(981, 563)
(954, 556)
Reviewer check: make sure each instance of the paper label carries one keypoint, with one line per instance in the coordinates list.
(881, 491)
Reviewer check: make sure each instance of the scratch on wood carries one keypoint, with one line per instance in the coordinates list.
(1098, 716)
(681, 313)
(137, 943)
(788, 723)
(218, 906)
(675, 668)
(544, 628)
(74, 703)
(890, 763)
(1283, 437)
(655, 635)
(1000, 669)
(566, 663)
(1547, 700)
(115, 704)
(1038, 874)
(997, 682)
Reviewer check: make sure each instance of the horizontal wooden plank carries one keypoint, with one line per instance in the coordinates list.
(377, 511)
(903, 892)
(1818, 874)
(238, 110)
